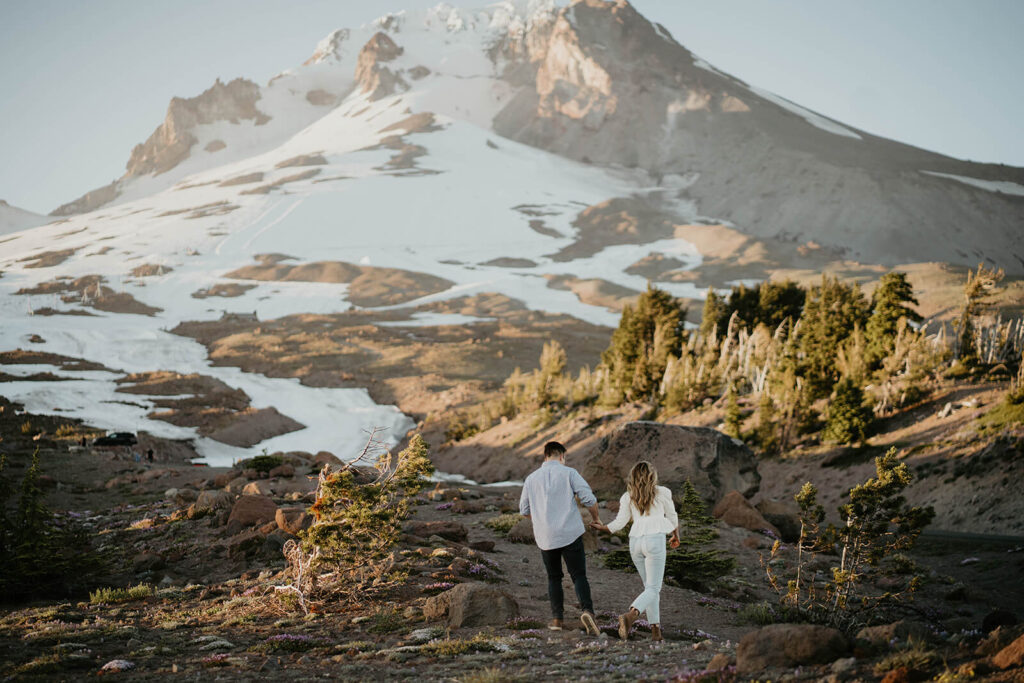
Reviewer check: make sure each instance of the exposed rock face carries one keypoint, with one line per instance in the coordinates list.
(710, 460)
(90, 200)
(252, 510)
(788, 645)
(371, 76)
(735, 510)
(170, 143)
(472, 604)
(606, 85)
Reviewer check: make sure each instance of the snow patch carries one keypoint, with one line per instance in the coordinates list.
(999, 186)
(816, 120)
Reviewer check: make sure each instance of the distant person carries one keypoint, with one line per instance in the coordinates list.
(549, 501)
(654, 517)
(149, 455)
(84, 442)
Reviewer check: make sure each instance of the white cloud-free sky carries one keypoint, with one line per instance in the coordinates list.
(82, 82)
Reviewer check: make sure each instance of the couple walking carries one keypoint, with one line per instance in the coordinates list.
(549, 500)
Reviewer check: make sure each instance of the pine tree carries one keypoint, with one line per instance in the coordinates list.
(980, 286)
(714, 315)
(733, 416)
(889, 304)
(849, 418)
(766, 431)
(641, 345)
(832, 311)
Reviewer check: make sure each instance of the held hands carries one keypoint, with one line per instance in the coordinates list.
(600, 527)
(673, 540)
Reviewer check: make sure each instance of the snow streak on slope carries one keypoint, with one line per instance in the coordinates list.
(436, 193)
(1003, 186)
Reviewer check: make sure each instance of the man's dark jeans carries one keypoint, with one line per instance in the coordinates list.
(576, 563)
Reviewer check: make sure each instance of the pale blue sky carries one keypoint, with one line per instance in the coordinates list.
(81, 82)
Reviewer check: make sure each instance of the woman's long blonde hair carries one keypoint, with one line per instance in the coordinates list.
(642, 485)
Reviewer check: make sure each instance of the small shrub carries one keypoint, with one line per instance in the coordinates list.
(458, 646)
(502, 524)
(264, 463)
(386, 621)
(523, 624)
(110, 596)
(26, 427)
(916, 655)
(758, 613)
(288, 642)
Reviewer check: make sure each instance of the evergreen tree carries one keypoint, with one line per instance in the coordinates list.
(980, 286)
(714, 315)
(766, 431)
(733, 416)
(889, 303)
(641, 345)
(779, 301)
(849, 418)
(832, 311)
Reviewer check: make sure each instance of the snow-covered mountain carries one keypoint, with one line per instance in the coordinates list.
(13, 219)
(560, 156)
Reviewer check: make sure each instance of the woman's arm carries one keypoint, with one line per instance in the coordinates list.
(624, 515)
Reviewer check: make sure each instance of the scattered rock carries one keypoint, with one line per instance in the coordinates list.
(452, 531)
(117, 666)
(224, 478)
(1011, 655)
(251, 510)
(324, 458)
(147, 561)
(522, 532)
(257, 488)
(472, 604)
(718, 662)
(293, 520)
(208, 501)
(788, 645)
(735, 510)
(784, 515)
(996, 618)
(237, 484)
(879, 637)
(483, 546)
(285, 470)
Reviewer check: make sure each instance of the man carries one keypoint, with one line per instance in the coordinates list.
(548, 500)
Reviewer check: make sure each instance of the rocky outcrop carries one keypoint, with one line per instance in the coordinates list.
(472, 604)
(90, 200)
(371, 75)
(170, 143)
(252, 510)
(788, 645)
(605, 85)
(710, 460)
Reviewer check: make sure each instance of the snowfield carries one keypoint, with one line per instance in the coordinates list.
(434, 212)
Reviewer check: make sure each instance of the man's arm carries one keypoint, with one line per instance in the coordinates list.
(582, 490)
(524, 502)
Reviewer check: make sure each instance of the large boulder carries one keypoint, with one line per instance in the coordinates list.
(882, 637)
(735, 510)
(784, 515)
(253, 510)
(210, 501)
(257, 488)
(472, 604)
(788, 645)
(522, 532)
(714, 463)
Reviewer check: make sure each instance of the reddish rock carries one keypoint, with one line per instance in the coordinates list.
(472, 604)
(213, 500)
(1011, 655)
(293, 520)
(236, 485)
(718, 662)
(465, 507)
(252, 510)
(223, 479)
(257, 488)
(788, 645)
(285, 470)
(735, 510)
(325, 458)
(452, 531)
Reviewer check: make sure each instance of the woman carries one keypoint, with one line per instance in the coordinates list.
(653, 513)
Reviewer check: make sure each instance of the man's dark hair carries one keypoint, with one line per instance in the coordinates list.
(553, 449)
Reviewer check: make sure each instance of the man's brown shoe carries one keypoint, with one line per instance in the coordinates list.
(626, 623)
(656, 633)
(589, 624)
(555, 625)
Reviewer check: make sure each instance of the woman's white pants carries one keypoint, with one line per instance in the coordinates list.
(648, 553)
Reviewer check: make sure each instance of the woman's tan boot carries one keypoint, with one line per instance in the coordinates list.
(626, 622)
(656, 633)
